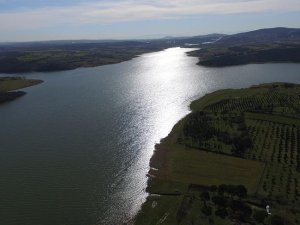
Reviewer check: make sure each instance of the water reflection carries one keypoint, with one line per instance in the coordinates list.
(155, 91)
(76, 149)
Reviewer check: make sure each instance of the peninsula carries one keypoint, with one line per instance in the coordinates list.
(232, 160)
(273, 45)
(67, 55)
(9, 85)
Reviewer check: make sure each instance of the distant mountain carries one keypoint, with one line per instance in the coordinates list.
(203, 39)
(209, 35)
(259, 46)
(46, 45)
(278, 34)
(195, 40)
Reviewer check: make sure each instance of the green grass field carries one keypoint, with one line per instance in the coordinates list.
(15, 83)
(243, 137)
(206, 168)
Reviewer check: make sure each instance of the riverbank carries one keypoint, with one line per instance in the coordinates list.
(67, 55)
(222, 56)
(9, 85)
(244, 131)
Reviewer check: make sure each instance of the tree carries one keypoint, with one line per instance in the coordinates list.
(219, 200)
(206, 210)
(213, 188)
(241, 191)
(277, 220)
(260, 215)
(231, 190)
(222, 212)
(240, 210)
(205, 196)
(222, 188)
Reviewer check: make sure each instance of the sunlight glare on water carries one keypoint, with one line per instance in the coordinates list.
(158, 89)
(76, 149)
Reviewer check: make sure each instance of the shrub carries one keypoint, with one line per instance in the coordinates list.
(205, 196)
(260, 216)
(277, 220)
(219, 200)
(222, 188)
(213, 188)
(240, 210)
(222, 212)
(241, 191)
(206, 210)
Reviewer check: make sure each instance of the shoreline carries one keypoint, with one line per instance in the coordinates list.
(158, 161)
(210, 63)
(69, 67)
(10, 86)
(169, 183)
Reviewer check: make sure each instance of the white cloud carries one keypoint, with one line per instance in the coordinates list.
(100, 12)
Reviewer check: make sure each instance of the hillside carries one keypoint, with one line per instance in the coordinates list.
(263, 36)
(274, 45)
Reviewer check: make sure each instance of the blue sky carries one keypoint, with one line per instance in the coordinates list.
(27, 20)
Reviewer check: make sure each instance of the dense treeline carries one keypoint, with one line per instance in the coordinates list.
(200, 130)
(199, 127)
(9, 96)
(225, 203)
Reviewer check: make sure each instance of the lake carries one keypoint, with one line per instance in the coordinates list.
(75, 150)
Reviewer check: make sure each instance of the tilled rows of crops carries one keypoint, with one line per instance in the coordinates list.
(278, 101)
(259, 124)
(278, 146)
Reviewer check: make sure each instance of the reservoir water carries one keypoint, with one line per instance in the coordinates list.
(75, 150)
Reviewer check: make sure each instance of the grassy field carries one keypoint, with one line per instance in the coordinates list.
(187, 166)
(245, 137)
(15, 83)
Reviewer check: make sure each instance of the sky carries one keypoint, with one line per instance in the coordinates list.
(32, 20)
